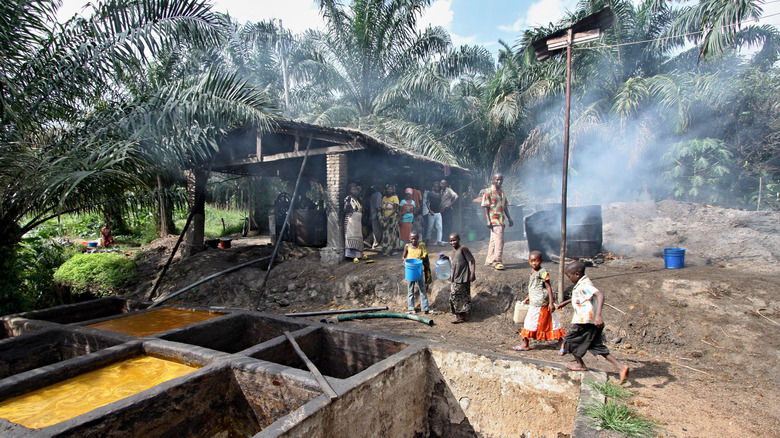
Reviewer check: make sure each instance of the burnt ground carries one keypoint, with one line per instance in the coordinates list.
(701, 341)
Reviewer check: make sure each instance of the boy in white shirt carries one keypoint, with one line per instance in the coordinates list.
(587, 323)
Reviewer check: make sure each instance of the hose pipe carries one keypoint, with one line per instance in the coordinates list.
(385, 315)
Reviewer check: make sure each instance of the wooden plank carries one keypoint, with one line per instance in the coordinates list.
(312, 368)
(260, 147)
(239, 162)
(320, 151)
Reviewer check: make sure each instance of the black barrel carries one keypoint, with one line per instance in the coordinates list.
(583, 231)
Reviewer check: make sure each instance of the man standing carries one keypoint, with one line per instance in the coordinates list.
(432, 214)
(376, 208)
(448, 199)
(496, 214)
(417, 196)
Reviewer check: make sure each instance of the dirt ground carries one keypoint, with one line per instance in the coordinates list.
(701, 341)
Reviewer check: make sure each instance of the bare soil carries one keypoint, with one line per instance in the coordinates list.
(701, 341)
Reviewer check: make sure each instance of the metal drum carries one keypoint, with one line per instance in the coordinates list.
(583, 231)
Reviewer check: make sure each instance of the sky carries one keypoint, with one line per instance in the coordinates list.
(468, 21)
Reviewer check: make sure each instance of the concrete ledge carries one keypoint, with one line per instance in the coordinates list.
(583, 424)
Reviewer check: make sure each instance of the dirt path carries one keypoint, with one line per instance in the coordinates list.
(704, 361)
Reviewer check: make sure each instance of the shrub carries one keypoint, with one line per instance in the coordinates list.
(98, 273)
(37, 259)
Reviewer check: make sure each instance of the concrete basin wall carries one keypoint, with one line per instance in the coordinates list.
(389, 402)
(41, 348)
(85, 311)
(233, 333)
(252, 383)
(475, 394)
(14, 326)
(335, 353)
(230, 396)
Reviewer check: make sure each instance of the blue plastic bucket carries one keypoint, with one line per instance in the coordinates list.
(674, 258)
(413, 271)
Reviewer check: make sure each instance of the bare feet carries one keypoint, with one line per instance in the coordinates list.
(577, 367)
(623, 374)
(459, 318)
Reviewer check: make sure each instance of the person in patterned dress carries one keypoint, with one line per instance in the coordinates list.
(540, 321)
(496, 207)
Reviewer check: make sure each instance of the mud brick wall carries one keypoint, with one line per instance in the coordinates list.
(336, 167)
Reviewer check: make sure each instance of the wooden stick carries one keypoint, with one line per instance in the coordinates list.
(610, 305)
(711, 344)
(767, 318)
(312, 368)
(691, 368)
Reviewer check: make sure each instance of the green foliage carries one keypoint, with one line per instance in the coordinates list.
(616, 416)
(37, 259)
(610, 390)
(620, 418)
(84, 226)
(698, 168)
(213, 228)
(98, 273)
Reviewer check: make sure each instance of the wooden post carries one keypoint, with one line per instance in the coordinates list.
(565, 176)
(163, 213)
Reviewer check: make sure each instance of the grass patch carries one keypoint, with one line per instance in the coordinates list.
(617, 416)
(213, 228)
(611, 390)
(99, 273)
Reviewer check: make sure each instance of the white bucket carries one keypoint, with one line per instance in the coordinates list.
(520, 311)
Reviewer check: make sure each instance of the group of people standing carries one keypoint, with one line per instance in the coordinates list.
(428, 212)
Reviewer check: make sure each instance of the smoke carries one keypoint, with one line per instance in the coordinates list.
(621, 159)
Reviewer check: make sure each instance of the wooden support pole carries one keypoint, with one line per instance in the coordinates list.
(565, 176)
(326, 388)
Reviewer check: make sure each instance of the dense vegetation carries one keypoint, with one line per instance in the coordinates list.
(105, 114)
(98, 274)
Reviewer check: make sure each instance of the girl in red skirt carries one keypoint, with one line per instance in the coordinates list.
(540, 322)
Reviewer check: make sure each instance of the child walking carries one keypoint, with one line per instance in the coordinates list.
(417, 250)
(464, 269)
(540, 321)
(587, 322)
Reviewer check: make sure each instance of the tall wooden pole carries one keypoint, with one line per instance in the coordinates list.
(282, 50)
(565, 176)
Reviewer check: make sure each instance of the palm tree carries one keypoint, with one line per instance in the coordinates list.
(636, 92)
(718, 25)
(70, 134)
(374, 65)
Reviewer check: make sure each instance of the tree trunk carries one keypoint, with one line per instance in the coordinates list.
(164, 215)
(196, 186)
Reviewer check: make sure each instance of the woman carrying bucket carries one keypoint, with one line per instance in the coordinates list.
(418, 271)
